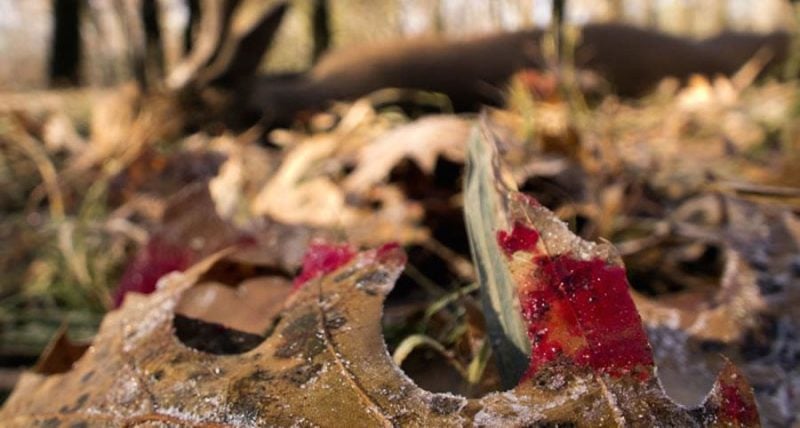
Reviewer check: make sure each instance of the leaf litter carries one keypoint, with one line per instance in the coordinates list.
(326, 357)
(718, 279)
(325, 361)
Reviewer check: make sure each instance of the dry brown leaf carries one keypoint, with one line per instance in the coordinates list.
(397, 219)
(249, 307)
(157, 176)
(298, 192)
(757, 247)
(325, 364)
(701, 94)
(248, 166)
(59, 133)
(124, 122)
(724, 317)
(750, 316)
(423, 141)
(191, 229)
(59, 354)
(305, 190)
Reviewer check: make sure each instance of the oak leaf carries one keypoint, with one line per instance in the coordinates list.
(574, 312)
(422, 140)
(191, 228)
(325, 362)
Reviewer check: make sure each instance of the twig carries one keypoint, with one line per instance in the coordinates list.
(32, 148)
(761, 189)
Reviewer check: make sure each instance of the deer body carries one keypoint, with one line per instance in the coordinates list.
(634, 60)
(467, 71)
(474, 71)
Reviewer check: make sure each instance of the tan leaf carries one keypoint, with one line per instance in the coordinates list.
(296, 193)
(723, 317)
(423, 141)
(305, 191)
(325, 364)
(248, 307)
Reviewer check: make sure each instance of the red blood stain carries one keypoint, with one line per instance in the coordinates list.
(390, 253)
(162, 255)
(521, 238)
(155, 260)
(579, 309)
(734, 408)
(322, 258)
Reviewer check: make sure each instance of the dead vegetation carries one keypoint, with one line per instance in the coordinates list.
(104, 192)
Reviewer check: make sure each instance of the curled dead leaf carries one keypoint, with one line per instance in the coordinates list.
(423, 140)
(575, 307)
(191, 229)
(308, 188)
(324, 364)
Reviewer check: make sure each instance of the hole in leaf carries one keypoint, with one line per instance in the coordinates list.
(451, 324)
(232, 308)
(430, 371)
(250, 306)
(213, 338)
(683, 372)
(669, 269)
(231, 273)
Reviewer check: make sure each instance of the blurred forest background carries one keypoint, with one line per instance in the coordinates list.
(112, 32)
(695, 183)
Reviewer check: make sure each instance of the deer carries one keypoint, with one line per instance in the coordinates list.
(474, 71)
(471, 71)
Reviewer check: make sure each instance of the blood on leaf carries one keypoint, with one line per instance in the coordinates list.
(577, 309)
(322, 258)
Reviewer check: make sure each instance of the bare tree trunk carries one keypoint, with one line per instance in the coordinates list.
(320, 28)
(153, 48)
(65, 51)
(616, 10)
(130, 13)
(174, 20)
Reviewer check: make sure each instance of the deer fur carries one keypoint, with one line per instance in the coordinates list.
(474, 71)
(218, 81)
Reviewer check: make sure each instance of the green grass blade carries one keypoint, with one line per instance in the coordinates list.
(484, 211)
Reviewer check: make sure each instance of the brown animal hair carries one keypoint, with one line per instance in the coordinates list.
(473, 71)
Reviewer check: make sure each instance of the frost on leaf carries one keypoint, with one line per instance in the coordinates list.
(576, 309)
(324, 362)
(573, 304)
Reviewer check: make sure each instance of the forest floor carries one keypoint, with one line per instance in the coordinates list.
(697, 187)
